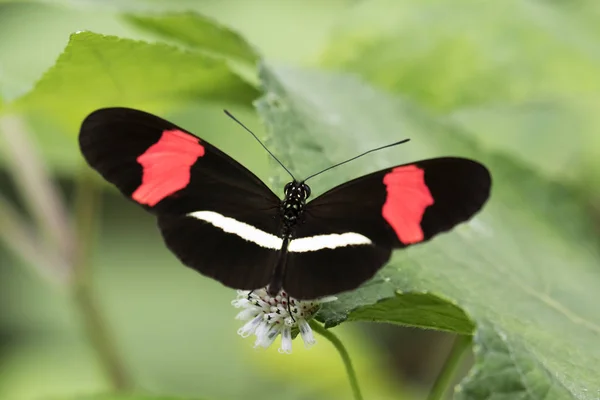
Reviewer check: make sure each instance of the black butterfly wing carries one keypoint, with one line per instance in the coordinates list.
(235, 261)
(207, 204)
(385, 210)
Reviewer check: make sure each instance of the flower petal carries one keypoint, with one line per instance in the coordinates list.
(306, 332)
(267, 339)
(286, 340)
(238, 303)
(247, 314)
(250, 327)
(262, 328)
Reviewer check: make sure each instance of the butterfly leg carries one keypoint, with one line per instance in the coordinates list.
(289, 302)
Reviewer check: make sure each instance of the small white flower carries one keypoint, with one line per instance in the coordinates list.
(267, 317)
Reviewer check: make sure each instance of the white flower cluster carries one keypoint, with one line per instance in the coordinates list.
(269, 316)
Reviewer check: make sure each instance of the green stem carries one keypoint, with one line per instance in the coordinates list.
(43, 242)
(339, 346)
(39, 195)
(86, 208)
(21, 238)
(446, 377)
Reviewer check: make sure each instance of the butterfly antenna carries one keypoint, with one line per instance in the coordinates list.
(354, 158)
(261, 143)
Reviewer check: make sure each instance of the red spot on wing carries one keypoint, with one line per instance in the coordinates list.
(166, 166)
(407, 198)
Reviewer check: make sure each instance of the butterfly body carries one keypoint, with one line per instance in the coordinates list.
(221, 220)
(291, 212)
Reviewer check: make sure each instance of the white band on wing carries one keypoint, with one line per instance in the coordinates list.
(243, 230)
(330, 241)
(269, 241)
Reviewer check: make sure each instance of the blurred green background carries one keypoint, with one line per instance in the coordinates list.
(523, 78)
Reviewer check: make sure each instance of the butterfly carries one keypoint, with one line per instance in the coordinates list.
(221, 220)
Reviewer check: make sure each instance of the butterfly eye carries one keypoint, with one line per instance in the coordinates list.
(306, 191)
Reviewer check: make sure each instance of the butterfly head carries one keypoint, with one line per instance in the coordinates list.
(292, 206)
(298, 191)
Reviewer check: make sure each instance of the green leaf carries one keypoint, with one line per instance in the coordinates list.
(3, 83)
(97, 71)
(502, 60)
(505, 369)
(559, 138)
(197, 31)
(524, 270)
(204, 34)
(121, 397)
(555, 129)
(410, 309)
(467, 52)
